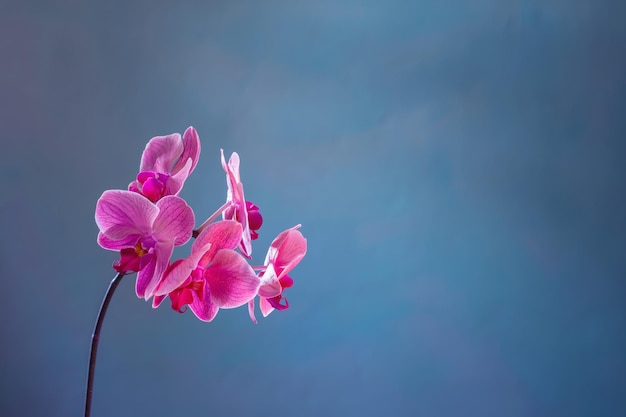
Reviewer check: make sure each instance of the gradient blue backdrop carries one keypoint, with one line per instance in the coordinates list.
(456, 167)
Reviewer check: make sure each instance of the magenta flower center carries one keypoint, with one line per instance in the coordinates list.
(285, 282)
(152, 185)
(130, 258)
(139, 250)
(275, 302)
(255, 220)
(183, 295)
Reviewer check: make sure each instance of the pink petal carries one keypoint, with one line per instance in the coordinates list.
(177, 180)
(174, 222)
(178, 272)
(265, 306)
(162, 255)
(233, 164)
(270, 290)
(270, 285)
(236, 195)
(232, 281)
(144, 276)
(251, 311)
(121, 213)
(117, 245)
(230, 179)
(129, 261)
(224, 234)
(232, 168)
(157, 300)
(286, 251)
(180, 299)
(204, 308)
(246, 240)
(161, 152)
(191, 150)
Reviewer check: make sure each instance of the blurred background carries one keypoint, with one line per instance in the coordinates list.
(455, 166)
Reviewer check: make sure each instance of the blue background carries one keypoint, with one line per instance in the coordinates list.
(456, 167)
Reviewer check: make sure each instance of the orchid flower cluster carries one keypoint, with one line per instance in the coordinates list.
(148, 220)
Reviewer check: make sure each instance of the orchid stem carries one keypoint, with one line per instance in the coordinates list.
(213, 217)
(95, 338)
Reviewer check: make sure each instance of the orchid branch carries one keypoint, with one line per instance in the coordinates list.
(211, 218)
(148, 220)
(95, 338)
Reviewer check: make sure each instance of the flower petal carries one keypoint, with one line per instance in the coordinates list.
(270, 290)
(174, 222)
(265, 306)
(145, 275)
(232, 168)
(225, 234)
(246, 239)
(204, 308)
(157, 300)
(191, 151)
(161, 152)
(232, 281)
(251, 311)
(178, 272)
(286, 251)
(129, 261)
(121, 213)
(270, 285)
(117, 245)
(236, 195)
(176, 181)
(150, 274)
(163, 253)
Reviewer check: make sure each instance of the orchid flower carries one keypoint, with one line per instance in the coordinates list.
(240, 210)
(214, 276)
(166, 163)
(145, 233)
(146, 222)
(285, 252)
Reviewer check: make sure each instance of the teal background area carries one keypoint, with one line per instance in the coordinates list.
(456, 166)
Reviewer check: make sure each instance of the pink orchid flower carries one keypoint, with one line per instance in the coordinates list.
(240, 210)
(285, 252)
(214, 276)
(145, 233)
(166, 163)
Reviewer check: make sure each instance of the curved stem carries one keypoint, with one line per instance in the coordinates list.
(213, 216)
(95, 338)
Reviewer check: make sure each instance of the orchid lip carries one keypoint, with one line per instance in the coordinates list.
(275, 302)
